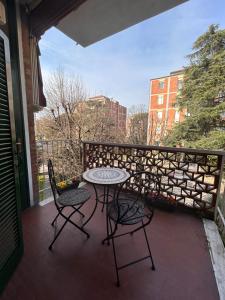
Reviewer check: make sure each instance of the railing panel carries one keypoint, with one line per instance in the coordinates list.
(191, 177)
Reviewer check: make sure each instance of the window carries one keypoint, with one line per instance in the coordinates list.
(161, 84)
(177, 116)
(180, 84)
(160, 99)
(159, 115)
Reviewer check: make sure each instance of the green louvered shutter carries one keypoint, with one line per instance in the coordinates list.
(11, 244)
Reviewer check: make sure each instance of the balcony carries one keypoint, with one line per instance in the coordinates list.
(84, 268)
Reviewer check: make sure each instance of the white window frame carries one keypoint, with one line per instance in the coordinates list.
(180, 82)
(177, 116)
(159, 115)
(160, 99)
(163, 83)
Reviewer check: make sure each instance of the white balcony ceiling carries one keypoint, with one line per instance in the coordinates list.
(95, 20)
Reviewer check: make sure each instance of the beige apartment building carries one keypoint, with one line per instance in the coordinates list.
(116, 112)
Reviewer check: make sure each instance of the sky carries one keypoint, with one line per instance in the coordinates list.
(121, 66)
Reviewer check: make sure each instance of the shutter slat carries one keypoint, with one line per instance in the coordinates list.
(7, 175)
(8, 190)
(3, 105)
(5, 169)
(5, 159)
(8, 211)
(4, 162)
(4, 184)
(8, 154)
(6, 196)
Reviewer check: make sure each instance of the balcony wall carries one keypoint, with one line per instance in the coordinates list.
(188, 176)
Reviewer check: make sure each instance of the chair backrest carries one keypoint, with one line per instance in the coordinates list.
(136, 188)
(52, 181)
(139, 187)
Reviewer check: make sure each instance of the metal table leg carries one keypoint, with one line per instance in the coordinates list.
(95, 207)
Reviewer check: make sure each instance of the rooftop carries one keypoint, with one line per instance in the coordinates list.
(173, 73)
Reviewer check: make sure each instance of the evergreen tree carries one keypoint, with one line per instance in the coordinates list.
(203, 95)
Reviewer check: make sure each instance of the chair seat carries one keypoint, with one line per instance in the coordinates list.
(127, 212)
(74, 197)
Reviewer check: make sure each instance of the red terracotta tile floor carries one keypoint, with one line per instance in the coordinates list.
(83, 269)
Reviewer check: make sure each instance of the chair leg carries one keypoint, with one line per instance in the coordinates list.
(80, 228)
(78, 210)
(90, 217)
(57, 235)
(149, 250)
(61, 209)
(53, 222)
(80, 213)
(103, 206)
(67, 220)
(56, 217)
(115, 259)
(104, 199)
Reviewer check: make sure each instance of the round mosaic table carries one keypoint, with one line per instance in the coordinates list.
(106, 177)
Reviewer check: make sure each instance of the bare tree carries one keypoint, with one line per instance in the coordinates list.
(145, 128)
(137, 125)
(156, 129)
(73, 116)
(65, 96)
(69, 116)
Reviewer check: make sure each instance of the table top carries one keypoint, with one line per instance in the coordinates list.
(106, 175)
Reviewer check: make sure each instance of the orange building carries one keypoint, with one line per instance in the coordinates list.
(163, 113)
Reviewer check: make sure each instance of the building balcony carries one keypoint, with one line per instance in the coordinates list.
(180, 239)
(84, 269)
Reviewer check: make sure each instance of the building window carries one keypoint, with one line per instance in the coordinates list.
(177, 116)
(161, 84)
(159, 115)
(160, 99)
(180, 84)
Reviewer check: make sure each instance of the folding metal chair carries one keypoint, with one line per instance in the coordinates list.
(129, 208)
(73, 198)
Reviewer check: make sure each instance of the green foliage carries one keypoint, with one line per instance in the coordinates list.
(215, 140)
(203, 94)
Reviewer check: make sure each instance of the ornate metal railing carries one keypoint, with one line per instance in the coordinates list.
(191, 177)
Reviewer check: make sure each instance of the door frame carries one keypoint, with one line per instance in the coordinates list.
(19, 108)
